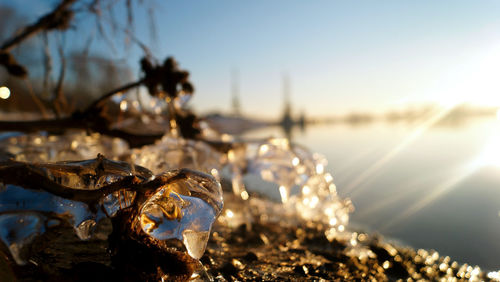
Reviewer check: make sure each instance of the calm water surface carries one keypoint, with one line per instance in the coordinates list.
(437, 188)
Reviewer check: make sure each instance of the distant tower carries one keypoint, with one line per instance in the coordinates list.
(235, 93)
(287, 110)
(286, 120)
(302, 120)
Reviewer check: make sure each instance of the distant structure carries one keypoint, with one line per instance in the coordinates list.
(302, 121)
(287, 120)
(235, 93)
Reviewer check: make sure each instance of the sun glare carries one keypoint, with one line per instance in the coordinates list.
(491, 153)
(490, 156)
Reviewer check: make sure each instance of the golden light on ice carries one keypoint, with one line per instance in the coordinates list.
(123, 105)
(284, 194)
(4, 92)
(498, 114)
(244, 195)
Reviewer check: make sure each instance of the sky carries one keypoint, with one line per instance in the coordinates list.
(340, 56)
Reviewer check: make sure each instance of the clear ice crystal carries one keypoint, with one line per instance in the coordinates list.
(278, 161)
(90, 174)
(184, 209)
(25, 212)
(184, 205)
(237, 163)
(17, 230)
(117, 200)
(85, 228)
(292, 166)
(16, 199)
(75, 145)
(174, 152)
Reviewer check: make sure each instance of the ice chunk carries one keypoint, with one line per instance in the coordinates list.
(18, 230)
(173, 153)
(26, 209)
(84, 229)
(274, 162)
(289, 165)
(90, 174)
(75, 145)
(183, 209)
(117, 200)
(16, 200)
(237, 163)
(195, 242)
(180, 204)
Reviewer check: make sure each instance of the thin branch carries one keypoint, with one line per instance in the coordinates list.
(32, 176)
(102, 32)
(130, 14)
(92, 123)
(60, 101)
(88, 43)
(47, 74)
(35, 99)
(124, 88)
(59, 18)
(153, 31)
(132, 37)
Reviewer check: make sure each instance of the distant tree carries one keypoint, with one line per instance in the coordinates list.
(44, 74)
(77, 84)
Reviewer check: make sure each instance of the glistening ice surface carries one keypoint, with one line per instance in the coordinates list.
(82, 193)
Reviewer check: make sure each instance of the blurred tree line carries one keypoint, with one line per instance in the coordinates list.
(63, 76)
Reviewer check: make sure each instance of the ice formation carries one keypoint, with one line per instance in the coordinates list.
(191, 199)
(184, 205)
(291, 168)
(184, 209)
(74, 145)
(175, 152)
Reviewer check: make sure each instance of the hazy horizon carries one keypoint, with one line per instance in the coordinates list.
(340, 56)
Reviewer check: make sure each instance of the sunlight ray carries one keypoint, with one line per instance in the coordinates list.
(417, 132)
(349, 167)
(409, 188)
(436, 193)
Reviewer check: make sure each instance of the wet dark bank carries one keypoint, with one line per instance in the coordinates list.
(263, 251)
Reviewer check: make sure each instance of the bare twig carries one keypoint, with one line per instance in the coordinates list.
(161, 80)
(60, 101)
(130, 14)
(130, 35)
(35, 99)
(124, 88)
(93, 123)
(153, 31)
(47, 74)
(88, 43)
(102, 32)
(59, 18)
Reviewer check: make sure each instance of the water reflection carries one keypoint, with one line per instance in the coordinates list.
(431, 184)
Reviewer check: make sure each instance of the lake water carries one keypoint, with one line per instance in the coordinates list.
(434, 187)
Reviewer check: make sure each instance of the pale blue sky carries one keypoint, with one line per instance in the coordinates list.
(339, 55)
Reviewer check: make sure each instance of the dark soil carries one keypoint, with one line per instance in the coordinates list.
(264, 251)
